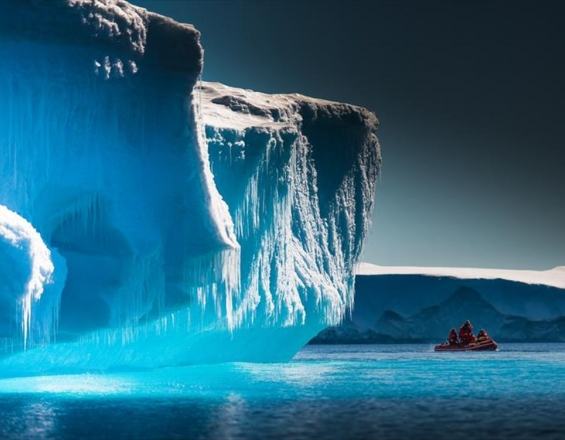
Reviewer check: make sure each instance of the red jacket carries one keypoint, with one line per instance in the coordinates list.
(466, 333)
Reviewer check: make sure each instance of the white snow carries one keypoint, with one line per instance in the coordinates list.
(239, 109)
(114, 19)
(117, 33)
(36, 259)
(553, 277)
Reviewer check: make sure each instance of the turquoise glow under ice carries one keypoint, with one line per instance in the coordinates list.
(329, 392)
(331, 372)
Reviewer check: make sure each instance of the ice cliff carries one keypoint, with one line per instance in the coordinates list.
(147, 221)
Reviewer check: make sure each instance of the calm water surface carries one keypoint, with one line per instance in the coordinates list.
(326, 392)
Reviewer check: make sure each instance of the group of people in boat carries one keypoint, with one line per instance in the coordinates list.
(466, 336)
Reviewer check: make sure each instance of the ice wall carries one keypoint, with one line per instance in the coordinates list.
(170, 247)
(100, 154)
(299, 177)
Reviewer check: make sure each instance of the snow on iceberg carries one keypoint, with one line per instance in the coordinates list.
(188, 224)
(27, 278)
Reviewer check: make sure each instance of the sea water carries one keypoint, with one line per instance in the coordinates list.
(325, 392)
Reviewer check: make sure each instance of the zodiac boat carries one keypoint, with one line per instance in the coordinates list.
(486, 344)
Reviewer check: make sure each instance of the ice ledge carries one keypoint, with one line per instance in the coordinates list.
(240, 109)
(123, 30)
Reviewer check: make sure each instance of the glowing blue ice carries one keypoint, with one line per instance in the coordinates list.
(184, 224)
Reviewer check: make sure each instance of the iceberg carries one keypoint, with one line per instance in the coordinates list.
(148, 218)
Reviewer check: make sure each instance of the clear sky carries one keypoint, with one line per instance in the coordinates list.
(471, 98)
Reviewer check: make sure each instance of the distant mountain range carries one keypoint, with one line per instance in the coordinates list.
(401, 308)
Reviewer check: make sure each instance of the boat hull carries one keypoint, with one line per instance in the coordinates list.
(488, 345)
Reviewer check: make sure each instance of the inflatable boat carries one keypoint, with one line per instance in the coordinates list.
(486, 344)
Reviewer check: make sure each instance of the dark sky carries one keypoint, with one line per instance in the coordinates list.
(471, 98)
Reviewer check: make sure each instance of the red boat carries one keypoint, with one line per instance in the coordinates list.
(486, 344)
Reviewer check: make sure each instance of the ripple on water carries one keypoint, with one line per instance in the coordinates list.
(356, 392)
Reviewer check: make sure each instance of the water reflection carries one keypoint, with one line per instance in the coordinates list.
(322, 395)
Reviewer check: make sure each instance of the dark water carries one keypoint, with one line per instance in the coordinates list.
(359, 392)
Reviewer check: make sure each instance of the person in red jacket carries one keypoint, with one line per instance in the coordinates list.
(452, 338)
(466, 333)
(483, 336)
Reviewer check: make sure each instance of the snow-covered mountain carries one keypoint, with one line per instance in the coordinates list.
(532, 294)
(176, 223)
(553, 277)
(405, 304)
(431, 324)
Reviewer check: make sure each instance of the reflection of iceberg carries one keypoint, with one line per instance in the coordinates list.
(103, 152)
